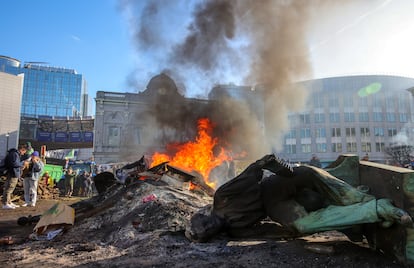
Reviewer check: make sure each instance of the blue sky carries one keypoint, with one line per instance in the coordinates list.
(96, 38)
(88, 36)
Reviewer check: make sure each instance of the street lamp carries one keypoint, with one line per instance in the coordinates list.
(7, 141)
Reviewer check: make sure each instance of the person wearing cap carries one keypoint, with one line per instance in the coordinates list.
(30, 149)
(31, 180)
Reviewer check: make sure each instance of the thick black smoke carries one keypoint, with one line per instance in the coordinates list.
(213, 26)
(256, 43)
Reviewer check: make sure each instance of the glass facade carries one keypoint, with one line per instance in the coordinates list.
(51, 91)
(9, 65)
(364, 115)
(48, 90)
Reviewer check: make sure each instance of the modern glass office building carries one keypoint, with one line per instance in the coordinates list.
(52, 91)
(9, 65)
(361, 115)
(49, 91)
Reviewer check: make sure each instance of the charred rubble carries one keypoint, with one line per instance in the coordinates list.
(169, 207)
(161, 199)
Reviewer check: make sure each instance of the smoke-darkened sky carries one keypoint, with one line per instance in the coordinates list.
(224, 40)
(118, 45)
(253, 42)
(272, 43)
(99, 39)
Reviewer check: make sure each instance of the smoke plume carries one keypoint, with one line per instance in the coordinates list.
(257, 43)
(207, 39)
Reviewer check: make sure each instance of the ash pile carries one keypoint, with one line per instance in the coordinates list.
(160, 200)
(152, 218)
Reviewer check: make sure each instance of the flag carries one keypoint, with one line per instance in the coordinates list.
(70, 155)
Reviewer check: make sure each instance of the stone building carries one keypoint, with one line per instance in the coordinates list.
(361, 115)
(129, 125)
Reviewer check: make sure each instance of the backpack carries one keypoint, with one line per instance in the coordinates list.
(3, 166)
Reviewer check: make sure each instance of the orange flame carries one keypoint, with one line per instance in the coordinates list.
(196, 155)
(192, 186)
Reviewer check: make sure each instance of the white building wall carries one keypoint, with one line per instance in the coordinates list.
(11, 88)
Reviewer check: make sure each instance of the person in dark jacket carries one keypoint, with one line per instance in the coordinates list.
(315, 161)
(15, 162)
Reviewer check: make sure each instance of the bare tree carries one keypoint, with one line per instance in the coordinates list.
(400, 153)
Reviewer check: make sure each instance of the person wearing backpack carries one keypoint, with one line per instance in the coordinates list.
(31, 180)
(15, 162)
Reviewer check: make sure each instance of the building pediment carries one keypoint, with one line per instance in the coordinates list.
(162, 85)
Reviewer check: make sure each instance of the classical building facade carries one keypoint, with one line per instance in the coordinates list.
(129, 125)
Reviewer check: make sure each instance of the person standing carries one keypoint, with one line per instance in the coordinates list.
(31, 180)
(29, 149)
(315, 161)
(88, 184)
(365, 158)
(80, 183)
(15, 162)
(69, 182)
(46, 178)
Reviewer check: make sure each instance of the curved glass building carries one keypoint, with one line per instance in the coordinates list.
(360, 115)
(9, 65)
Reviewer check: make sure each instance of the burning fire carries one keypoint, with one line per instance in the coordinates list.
(196, 155)
(191, 186)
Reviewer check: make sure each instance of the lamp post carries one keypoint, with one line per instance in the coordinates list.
(7, 141)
